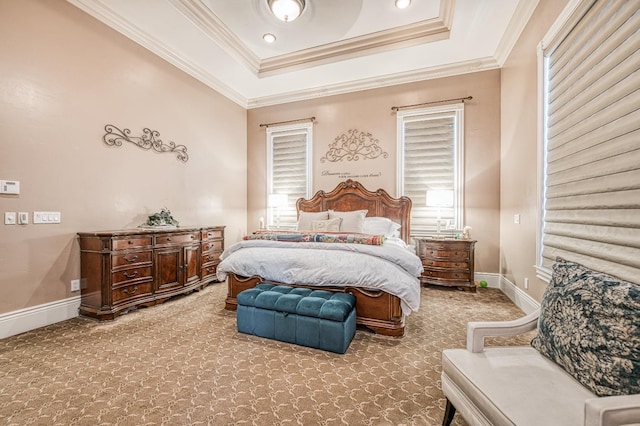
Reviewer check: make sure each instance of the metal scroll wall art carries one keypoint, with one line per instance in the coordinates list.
(352, 145)
(150, 139)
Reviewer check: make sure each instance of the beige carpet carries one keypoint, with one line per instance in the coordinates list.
(183, 363)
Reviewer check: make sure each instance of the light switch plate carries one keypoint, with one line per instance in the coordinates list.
(9, 218)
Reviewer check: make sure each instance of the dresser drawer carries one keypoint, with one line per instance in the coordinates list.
(134, 241)
(212, 245)
(447, 274)
(209, 234)
(130, 259)
(122, 294)
(209, 270)
(210, 257)
(130, 275)
(171, 239)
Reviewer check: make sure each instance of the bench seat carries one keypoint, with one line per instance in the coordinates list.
(314, 318)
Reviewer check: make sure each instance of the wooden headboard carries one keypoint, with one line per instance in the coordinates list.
(351, 195)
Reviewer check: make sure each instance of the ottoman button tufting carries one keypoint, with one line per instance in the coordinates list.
(315, 318)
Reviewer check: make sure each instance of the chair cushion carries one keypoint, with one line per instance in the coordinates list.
(590, 325)
(509, 385)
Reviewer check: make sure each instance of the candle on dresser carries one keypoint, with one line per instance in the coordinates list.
(261, 223)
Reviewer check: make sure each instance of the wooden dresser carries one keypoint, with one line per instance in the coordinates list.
(122, 270)
(447, 262)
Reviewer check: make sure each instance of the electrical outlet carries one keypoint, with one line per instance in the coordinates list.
(526, 283)
(516, 219)
(23, 218)
(75, 285)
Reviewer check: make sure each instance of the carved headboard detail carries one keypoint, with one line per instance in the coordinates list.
(352, 195)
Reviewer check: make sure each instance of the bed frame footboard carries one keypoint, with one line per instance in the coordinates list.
(376, 310)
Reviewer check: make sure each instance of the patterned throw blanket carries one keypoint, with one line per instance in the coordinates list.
(314, 237)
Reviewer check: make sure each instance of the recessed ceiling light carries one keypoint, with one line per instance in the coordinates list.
(269, 38)
(401, 4)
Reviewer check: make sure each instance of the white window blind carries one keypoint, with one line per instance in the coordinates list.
(289, 172)
(592, 143)
(430, 158)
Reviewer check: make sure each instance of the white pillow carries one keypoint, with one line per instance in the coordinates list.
(351, 221)
(329, 225)
(305, 220)
(381, 226)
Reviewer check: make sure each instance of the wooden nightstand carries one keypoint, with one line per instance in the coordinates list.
(447, 262)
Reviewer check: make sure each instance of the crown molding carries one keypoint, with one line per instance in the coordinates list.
(98, 10)
(426, 31)
(430, 73)
(516, 25)
(408, 35)
(216, 30)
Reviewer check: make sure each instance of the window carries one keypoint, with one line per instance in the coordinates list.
(430, 157)
(591, 128)
(288, 172)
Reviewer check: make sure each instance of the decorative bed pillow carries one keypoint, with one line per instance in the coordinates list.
(381, 226)
(305, 220)
(329, 225)
(590, 325)
(351, 221)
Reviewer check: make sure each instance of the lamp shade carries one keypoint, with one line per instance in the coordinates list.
(439, 198)
(286, 10)
(277, 200)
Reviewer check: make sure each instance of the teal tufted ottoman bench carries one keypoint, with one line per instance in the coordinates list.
(315, 318)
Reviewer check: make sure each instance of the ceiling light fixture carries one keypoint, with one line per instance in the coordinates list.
(269, 38)
(402, 4)
(286, 10)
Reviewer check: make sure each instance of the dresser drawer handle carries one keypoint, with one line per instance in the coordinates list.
(131, 259)
(457, 264)
(126, 274)
(130, 292)
(130, 242)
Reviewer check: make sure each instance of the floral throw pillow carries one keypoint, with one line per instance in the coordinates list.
(590, 325)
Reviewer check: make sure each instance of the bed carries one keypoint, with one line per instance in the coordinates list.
(380, 307)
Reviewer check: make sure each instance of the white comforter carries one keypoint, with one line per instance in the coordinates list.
(390, 267)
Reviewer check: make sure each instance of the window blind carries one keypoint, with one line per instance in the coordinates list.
(289, 174)
(430, 161)
(592, 167)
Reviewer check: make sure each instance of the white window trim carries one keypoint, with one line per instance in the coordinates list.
(458, 179)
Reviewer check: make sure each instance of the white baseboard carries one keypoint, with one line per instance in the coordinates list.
(17, 322)
(521, 299)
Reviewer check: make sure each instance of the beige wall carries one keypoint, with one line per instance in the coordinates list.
(519, 150)
(370, 111)
(64, 76)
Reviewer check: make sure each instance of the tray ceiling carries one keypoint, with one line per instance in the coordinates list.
(335, 46)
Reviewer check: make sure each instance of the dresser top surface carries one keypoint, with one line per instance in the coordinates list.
(145, 231)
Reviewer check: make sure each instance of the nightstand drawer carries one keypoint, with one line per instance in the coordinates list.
(447, 274)
(445, 264)
(448, 254)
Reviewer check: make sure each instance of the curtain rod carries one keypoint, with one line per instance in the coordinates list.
(311, 119)
(396, 108)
